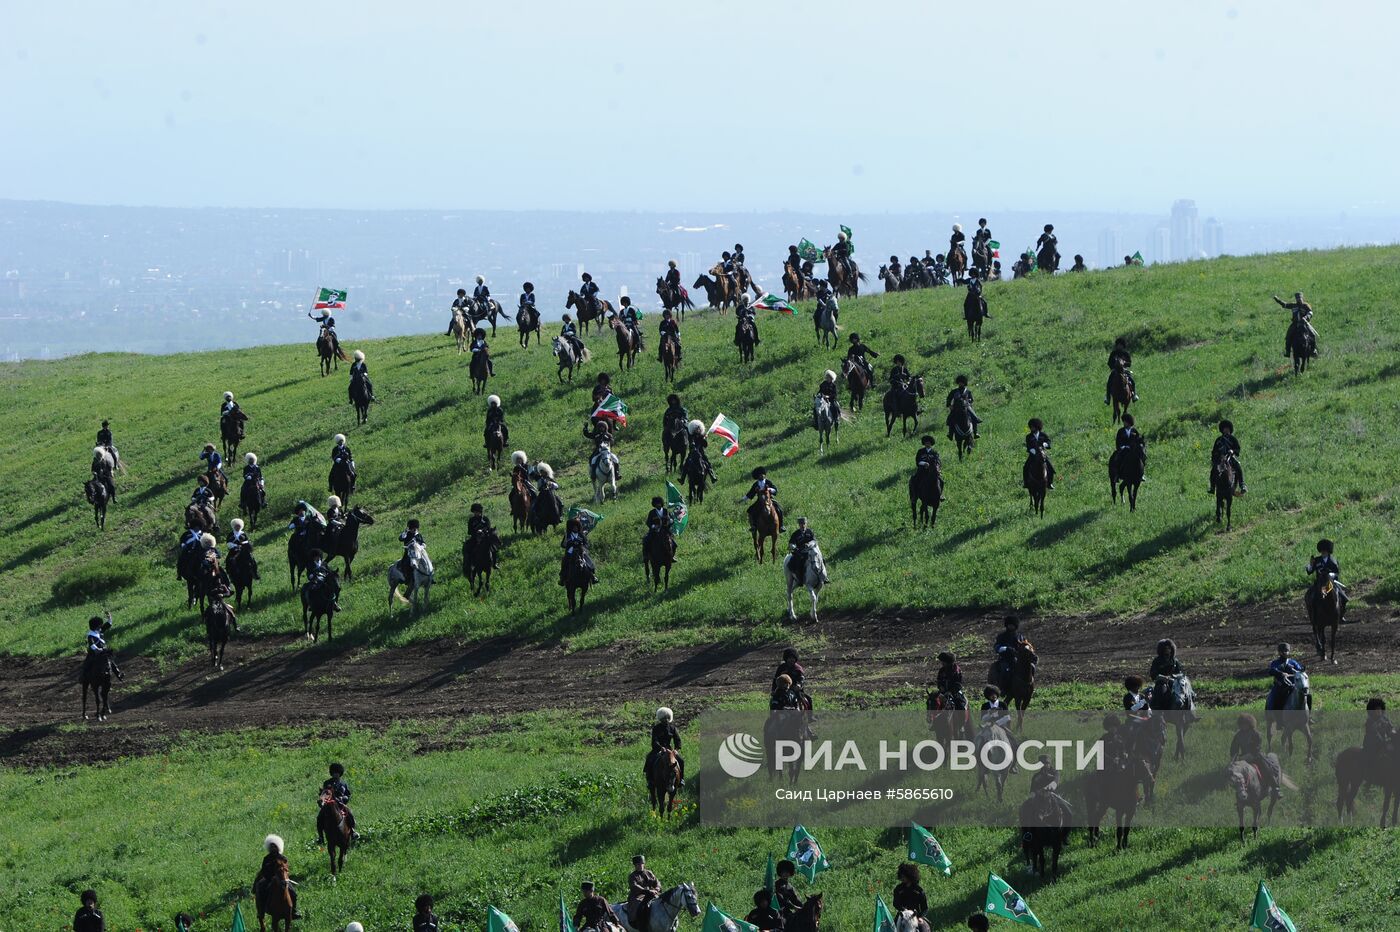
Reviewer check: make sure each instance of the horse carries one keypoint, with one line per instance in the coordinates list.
(577, 578)
(663, 912)
(318, 602)
(993, 734)
(813, 578)
(629, 343)
(96, 674)
(957, 264)
(96, 491)
(187, 562)
(480, 370)
(345, 542)
(1302, 346)
(763, 525)
(693, 472)
(1047, 258)
(1125, 475)
(587, 314)
(360, 397)
(745, 338)
(231, 431)
(201, 518)
(1045, 823)
(219, 622)
(495, 444)
(658, 556)
(857, 383)
(1354, 768)
(1019, 687)
(808, 917)
(961, 427)
(564, 351)
(522, 499)
(341, 481)
(333, 825)
(274, 898)
(1037, 473)
(1222, 483)
(982, 259)
(329, 351)
(218, 487)
(1324, 605)
(783, 725)
(527, 319)
(891, 280)
(713, 291)
(1114, 787)
(824, 322)
(974, 312)
(825, 421)
(250, 501)
(460, 330)
(797, 286)
(845, 277)
(670, 356)
(673, 443)
(489, 309)
(1248, 784)
(1174, 698)
(925, 495)
(479, 559)
(547, 512)
(1296, 715)
(904, 406)
(420, 577)
(602, 469)
(240, 574)
(906, 921)
(1121, 392)
(299, 549)
(663, 781)
(677, 302)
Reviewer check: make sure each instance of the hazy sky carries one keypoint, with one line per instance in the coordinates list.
(715, 105)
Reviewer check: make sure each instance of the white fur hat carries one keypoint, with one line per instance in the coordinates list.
(519, 458)
(338, 438)
(831, 375)
(693, 426)
(354, 927)
(251, 459)
(359, 355)
(664, 714)
(493, 400)
(957, 228)
(333, 501)
(237, 525)
(479, 279)
(228, 396)
(274, 844)
(546, 470)
(207, 541)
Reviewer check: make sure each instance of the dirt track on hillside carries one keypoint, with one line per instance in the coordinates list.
(279, 681)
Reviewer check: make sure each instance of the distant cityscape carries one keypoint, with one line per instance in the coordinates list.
(77, 279)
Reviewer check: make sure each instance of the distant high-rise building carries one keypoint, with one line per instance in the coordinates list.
(1159, 248)
(1185, 231)
(1214, 235)
(1111, 248)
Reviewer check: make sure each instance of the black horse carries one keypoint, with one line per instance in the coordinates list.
(1125, 475)
(96, 675)
(319, 602)
(1046, 820)
(344, 541)
(341, 481)
(904, 406)
(479, 559)
(96, 491)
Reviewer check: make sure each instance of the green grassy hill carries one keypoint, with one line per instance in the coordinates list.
(1320, 453)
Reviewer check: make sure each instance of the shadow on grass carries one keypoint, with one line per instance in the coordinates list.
(1058, 531)
(43, 516)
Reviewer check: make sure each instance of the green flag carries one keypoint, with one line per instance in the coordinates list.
(238, 925)
(566, 922)
(1268, 916)
(925, 849)
(808, 250)
(717, 920)
(850, 239)
(771, 302)
(884, 922)
(330, 299)
(770, 882)
(1007, 903)
(497, 921)
(1137, 257)
(588, 519)
(611, 408)
(807, 854)
(675, 504)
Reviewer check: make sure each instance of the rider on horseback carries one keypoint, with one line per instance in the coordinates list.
(826, 298)
(1165, 663)
(252, 472)
(658, 522)
(949, 680)
(900, 377)
(481, 294)
(479, 347)
(303, 521)
(670, 328)
(1037, 443)
(1079, 265)
(575, 546)
(955, 242)
(593, 910)
(1005, 647)
(907, 892)
(274, 863)
(760, 485)
(1135, 702)
(238, 541)
(792, 669)
(800, 546)
(744, 314)
(1227, 445)
(479, 523)
(642, 885)
(664, 737)
(102, 469)
(763, 916)
(569, 333)
(98, 629)
(1130, 442)
(994, 708)
(1119, 359)
(980, 239)
(495, 419)
(424, 919)
(1379, 739)
(460, 305)
(1282, 668)
(1248, 745)
(340, 453)
(339, 791)
(699, 445)
(335, 514)
(842, 253)
(89, 918)
(202, 494)
(327, 323)
(961, 395)
(673, 281)
(527, 297)
(630, 317)
(1048, 240)
(895, 268)
(589, 292)
(1302, 320)
(928, 458)
(829, 390)
(783, 696)
(104, 435)
(359, 372)
(317, 572)
(408, 538)
(789, 903)
(860, 354)
(1324, 566)
(214, 460)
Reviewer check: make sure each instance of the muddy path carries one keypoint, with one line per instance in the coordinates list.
(282, 682)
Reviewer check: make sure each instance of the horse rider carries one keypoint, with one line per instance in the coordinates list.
(102, 469)
(1248, 745)
(238, 540)
(521, 469)
(1119, 359)
(1283, 669)
(302, 521)
(860, 354)
(527, 298)
(927, 458)
(842, 252)
(1129, 441)
(744, 313)
(359, 372)
(829, 390)
(792, 669)
(675, 412)
(496, 418)
(996, 271)
(907, 892)
(1227, 445)
(955, 242)
(761, 483)
(974, 288)
(642, 885)
(962, 395)
(479, 347)
(327, 323)
(800, 546)
(826, 297)
(98, 629)
(544, 483)
(1006, 646)
(104, 436)
(593, 911)
(673, 281)
(699, 446)
(1302, 318)
(575, 544)
(461, 304)
(1022, 266)
(274, 862)
(948, 681)
(789, 903)
(664, 736)
(658, 522)
(1323, 566)
(895, 268)
(731, 270)
(479, 523)
(794, 264)
(1379, 739)
(1048, 238)
(602, 438)
(1165, 663)
(228, 407)
(215, 462)
(994, 710)
(335, 514)
(1037, 444)
(340, 453)
(588, 291)
(980, 238)
(569, 333)
(763, 916)
(1135, 701)
(339, 791)
(669, 327)
(481, 294)
(89, 918)
(202, 494)
(900, 376)
(411, 535)
(629, 316)
(424, 919)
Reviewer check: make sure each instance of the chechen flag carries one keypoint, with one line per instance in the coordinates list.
(728, 431)
(995, 247)
(613, 408)
(771, 302)
(328, 299)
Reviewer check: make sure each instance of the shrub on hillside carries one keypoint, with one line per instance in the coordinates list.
(95, 580)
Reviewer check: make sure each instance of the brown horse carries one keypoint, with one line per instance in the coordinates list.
(1115, 787)
(588, 314)
(670, 356)
(857, 382)
(521, 497)
(528, 320)
(677, 301)
(218, 485)
(231, 431)
(925, 495)
(201, 518)
(957, 264)
(726, 290)
(1121, 392)
(795, 285)
(334, 825)
(1356, 768)
(219, 622)
(1248, 785)
(1324, 605)
(274, 899)
(1222, 483)
(763, 524)
(664, 781)
(808, 917)
(629, 343)
(460, 329)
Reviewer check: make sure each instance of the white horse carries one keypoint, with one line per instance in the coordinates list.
(813, 579)
(664, 911)
(422, 577)
(826, 422)
(603, 466)
(906, 921)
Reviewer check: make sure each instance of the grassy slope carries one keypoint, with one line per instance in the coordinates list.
(1320, 453)
(186, 836)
